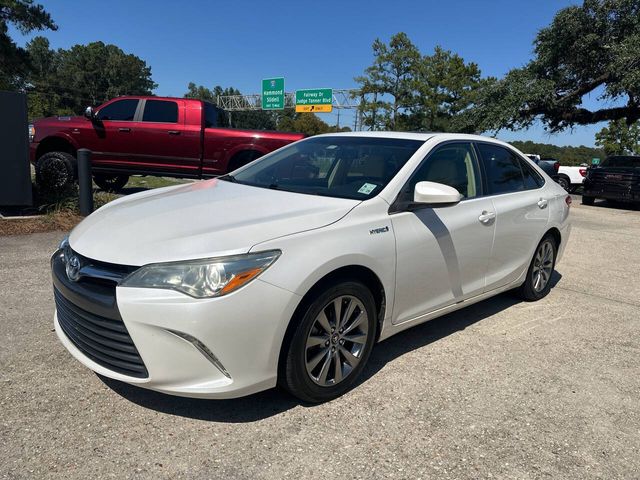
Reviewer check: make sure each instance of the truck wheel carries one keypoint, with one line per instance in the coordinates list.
(587, 200)
(55, 170)
(110, 183)
(564, 182)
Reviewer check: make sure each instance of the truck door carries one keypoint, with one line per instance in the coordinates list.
(164, 143)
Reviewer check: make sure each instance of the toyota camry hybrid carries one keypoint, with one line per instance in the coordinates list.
(288, 270)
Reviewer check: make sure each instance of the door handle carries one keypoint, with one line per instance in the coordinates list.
(542, 203)
(174, 132)
(125, 130)
(486, 217)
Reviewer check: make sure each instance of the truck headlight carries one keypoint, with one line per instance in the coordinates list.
(206, 278)
(32, 132)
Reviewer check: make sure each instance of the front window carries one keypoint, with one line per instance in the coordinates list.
(120, 110)
(345, 167)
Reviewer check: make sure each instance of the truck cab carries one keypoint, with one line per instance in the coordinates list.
(164, 136)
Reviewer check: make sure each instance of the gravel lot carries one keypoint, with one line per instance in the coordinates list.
(503, 389)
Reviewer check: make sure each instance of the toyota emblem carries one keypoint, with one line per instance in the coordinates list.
(73, 268)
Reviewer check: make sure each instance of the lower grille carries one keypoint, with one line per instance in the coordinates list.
(104, 340)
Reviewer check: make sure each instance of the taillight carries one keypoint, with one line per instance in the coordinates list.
(556, 166)
(583, 172)
(568, 200)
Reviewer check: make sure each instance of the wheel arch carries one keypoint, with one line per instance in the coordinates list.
(235, 157)
(348, 272)
(555, 233)
(55, 144)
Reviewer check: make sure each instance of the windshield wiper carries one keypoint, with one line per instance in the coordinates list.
(274, 186)
(228, 177)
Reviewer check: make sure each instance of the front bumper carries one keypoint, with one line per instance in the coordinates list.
(180, 338)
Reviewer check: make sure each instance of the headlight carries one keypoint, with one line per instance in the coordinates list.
(32, 132)
(211, 277)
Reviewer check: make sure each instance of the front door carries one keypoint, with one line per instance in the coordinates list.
(443, 252)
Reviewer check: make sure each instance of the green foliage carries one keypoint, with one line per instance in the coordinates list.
(404, 90)
(618, 138)
(14, 61)
(565, 155)
(66, 81)
(589, 49)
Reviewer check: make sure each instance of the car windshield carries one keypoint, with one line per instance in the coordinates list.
(340, 166)
(621, 162)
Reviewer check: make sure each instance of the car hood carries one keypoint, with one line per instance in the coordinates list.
(199, 220)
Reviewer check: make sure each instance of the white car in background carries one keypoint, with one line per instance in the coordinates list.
(572, 176)
(290, 269)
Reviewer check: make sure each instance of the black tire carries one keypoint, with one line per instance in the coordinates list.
(240, 159)
(564, 182)
(587, 200)
(294, 375)
(55, 170)
(530, 290)
(109, 182)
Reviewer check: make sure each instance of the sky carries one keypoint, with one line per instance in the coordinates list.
(313, 44)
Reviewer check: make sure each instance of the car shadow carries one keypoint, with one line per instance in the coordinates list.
(275, 401)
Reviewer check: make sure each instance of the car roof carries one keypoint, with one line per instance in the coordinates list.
(423, 136)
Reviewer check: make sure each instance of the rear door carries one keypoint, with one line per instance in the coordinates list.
(442, 252)
(522, 213)
(163, 144)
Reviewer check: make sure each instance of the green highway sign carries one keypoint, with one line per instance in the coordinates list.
(314, 100)
(273, 94)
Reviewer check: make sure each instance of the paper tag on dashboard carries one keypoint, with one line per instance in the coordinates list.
(367, 188)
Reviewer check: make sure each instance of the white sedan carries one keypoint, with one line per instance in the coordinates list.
(290, 269)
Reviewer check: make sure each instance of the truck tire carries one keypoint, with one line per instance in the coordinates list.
(587, 200)
(110, 182)
(55, 170)
(564, 182)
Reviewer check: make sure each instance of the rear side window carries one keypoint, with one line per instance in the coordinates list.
(160, 111)
(211, 114)
(502, 168)
(532, 179)
(121, 110)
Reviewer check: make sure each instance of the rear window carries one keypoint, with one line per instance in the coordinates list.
(621, 162)
(160, 111)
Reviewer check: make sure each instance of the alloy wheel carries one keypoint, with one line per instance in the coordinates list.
(336, 341)
(542, 266)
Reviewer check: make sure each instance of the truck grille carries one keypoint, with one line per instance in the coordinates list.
(615, 178)
(104, 340)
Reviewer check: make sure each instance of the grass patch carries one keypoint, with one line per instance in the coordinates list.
(60, 210)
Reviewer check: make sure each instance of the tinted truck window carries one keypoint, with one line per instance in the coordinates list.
(160, 111)
(122, 110)
(502, 168)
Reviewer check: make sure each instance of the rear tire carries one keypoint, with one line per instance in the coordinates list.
(240, 159)
(587, 200)
(564, 182)
(331, 343)
(110, 183)
(538, 282)
(55, 170)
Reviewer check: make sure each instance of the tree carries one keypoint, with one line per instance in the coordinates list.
(567, 155)
(66, 81)
(391, 75)
(618, 138)
(589, 49)
(446, 88)
(27, 17)
(404, 90)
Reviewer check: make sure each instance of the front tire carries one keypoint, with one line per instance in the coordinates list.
(587, 200)
(538, 282)
(110, 183)
(55, 170)
(331, 343)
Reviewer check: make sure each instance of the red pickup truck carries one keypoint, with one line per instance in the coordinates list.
(177, 137)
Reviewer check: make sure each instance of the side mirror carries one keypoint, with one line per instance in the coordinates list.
(435, 193)
(89, 113)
